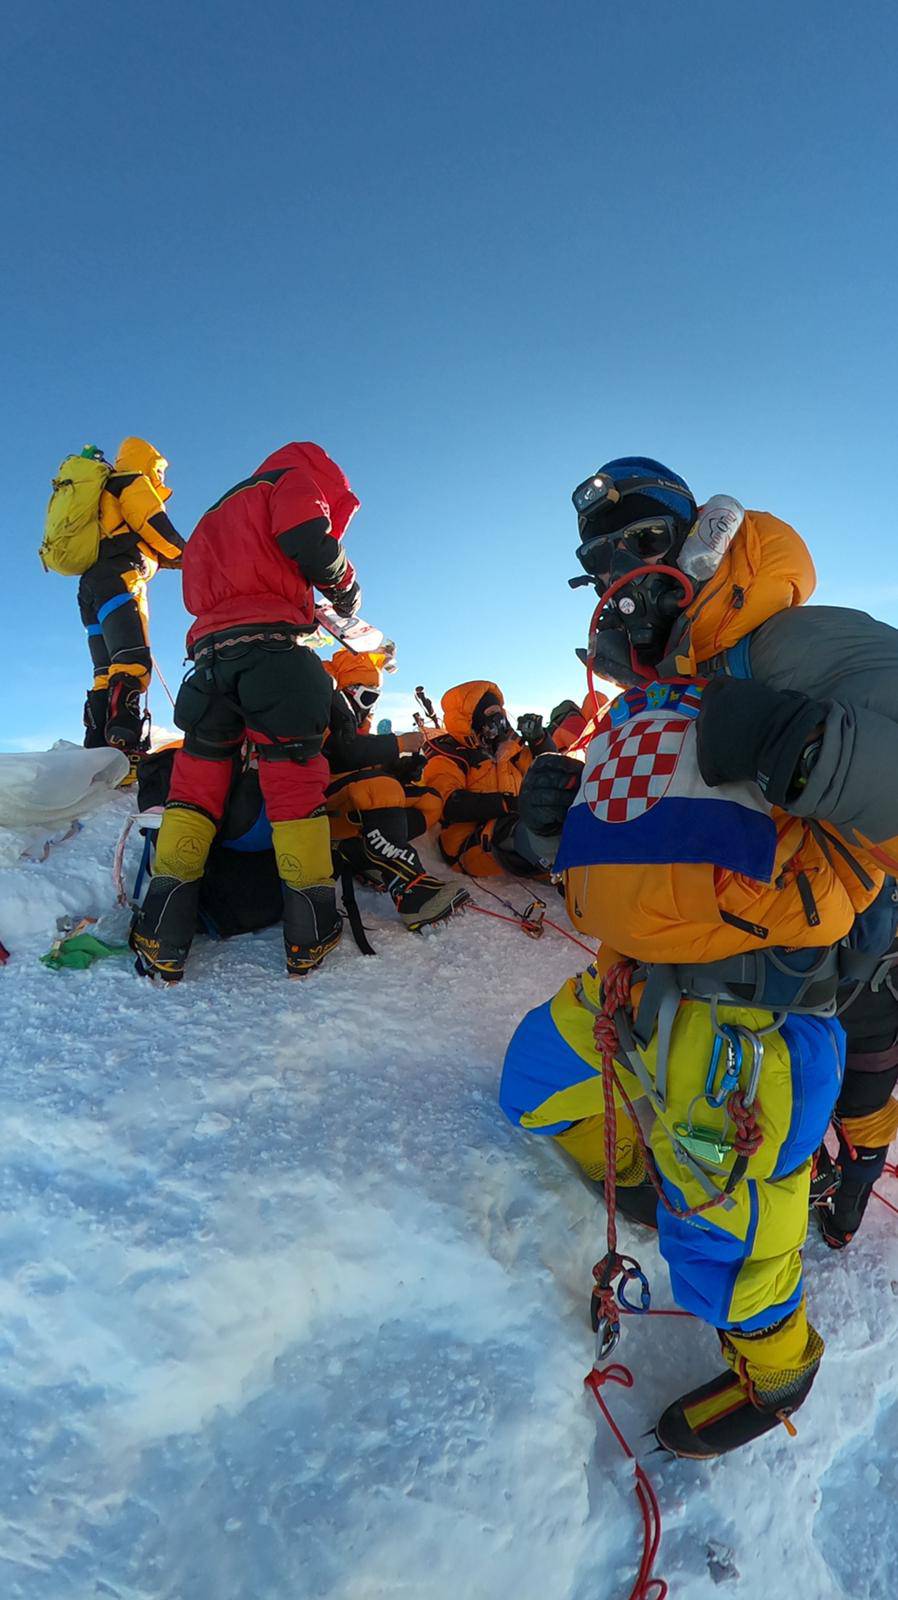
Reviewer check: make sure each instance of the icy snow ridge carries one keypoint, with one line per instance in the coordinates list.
(290, 1312)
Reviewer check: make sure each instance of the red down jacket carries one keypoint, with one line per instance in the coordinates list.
(257, 553)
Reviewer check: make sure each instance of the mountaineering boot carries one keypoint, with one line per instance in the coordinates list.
(426, 901)
(750, 1398)
(420, 899)
(584, 1143)
(860, 1170)
(638, 1202)
(825, 1177)
(96, 712)
(349, 857)
(312, 926)
(126, 722)
(163, 928)
(840, 1221)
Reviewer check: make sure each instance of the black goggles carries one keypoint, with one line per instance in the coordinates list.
(600, 490)
(642, 544)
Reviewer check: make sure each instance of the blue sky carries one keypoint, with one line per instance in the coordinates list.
(474, 250)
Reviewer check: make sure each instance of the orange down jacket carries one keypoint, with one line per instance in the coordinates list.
(677, 912)
(458, 763)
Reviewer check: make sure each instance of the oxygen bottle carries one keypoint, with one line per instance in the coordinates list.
(710, 537)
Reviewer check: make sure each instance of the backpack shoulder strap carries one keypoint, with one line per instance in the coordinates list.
(445, 745)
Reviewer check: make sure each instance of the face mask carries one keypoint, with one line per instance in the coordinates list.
(645, 611)
(494, 729)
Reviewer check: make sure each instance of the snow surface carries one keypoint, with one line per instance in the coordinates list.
(289, 1311)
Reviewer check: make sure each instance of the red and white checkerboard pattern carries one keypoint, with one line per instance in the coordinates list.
(637, 768)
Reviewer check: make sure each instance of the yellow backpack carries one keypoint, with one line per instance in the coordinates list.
(71, 541)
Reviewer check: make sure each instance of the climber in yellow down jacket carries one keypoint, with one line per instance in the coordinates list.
(721, 910)
(136, 538)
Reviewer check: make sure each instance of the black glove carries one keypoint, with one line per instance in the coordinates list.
(547, 793)
(409, 768)
(464, 805)
(749, 732)
(345, 602)
(530, 727)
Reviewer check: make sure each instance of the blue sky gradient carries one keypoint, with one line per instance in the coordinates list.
(473, 250)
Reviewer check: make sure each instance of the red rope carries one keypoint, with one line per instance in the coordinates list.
(590, 950)
(616, 996)
(641, 672)
(499, 915)
(517, 923)
(646, 1587)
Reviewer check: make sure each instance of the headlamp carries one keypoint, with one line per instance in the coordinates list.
(593, 492)
(601, 490)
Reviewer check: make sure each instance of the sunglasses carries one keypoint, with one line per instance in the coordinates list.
(647, 541)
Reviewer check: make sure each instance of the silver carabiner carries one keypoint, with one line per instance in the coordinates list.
(756, 1046)
(607, 1337)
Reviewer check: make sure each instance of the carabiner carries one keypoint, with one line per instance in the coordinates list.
(756, 1046)
(726, 1034)
(631, 1272)
(607, 1337)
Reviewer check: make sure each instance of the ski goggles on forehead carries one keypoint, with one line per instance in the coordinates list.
(601, 490)
(365, 698)
(644, 542)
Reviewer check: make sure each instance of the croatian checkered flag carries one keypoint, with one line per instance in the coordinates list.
(643, 799)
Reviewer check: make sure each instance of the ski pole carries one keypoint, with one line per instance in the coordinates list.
(427, 704)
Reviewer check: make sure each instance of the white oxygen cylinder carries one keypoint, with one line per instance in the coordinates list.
(710, 537)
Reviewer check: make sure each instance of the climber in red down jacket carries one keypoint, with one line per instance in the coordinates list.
(250, 569)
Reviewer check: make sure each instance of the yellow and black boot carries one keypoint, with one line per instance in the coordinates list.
(96, 712)
(312, 923)
(163, 928)
(636, 1195)
(420, 899)
(769, 1375)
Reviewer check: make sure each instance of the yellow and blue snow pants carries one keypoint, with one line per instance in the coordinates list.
(735, 1268)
